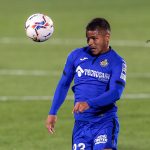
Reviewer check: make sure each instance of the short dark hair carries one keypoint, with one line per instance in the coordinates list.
(98, 23)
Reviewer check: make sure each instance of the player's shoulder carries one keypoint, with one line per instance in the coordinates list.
(116, 57)
(77, 52)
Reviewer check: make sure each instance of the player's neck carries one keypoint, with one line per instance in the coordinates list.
(105, 50)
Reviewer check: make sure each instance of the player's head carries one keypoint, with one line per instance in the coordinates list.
(98, 35)
(99, 24)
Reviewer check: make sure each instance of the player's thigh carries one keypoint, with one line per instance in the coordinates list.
(81, 140)
(106, 138)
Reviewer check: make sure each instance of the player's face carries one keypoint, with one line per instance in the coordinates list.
(98, 41)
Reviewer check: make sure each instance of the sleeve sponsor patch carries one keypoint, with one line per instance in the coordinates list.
(123, 72)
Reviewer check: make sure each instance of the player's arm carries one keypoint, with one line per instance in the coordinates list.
(116, 87)
(60, 93)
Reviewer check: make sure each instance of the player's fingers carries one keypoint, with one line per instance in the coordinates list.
(51, 129)
(83, 106)
(81, 109)
(76, 108)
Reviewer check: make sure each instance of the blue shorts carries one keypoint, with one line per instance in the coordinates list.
(95, 136)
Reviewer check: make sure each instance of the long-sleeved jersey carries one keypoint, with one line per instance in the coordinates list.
(98, 80)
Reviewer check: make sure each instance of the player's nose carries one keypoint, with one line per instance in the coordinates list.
(90, 42)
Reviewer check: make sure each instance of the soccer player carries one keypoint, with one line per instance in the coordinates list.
(99, 75)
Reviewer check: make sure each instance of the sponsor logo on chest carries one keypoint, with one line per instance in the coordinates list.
(92, 73)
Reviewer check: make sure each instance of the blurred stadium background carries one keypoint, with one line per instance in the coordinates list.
(29, 71)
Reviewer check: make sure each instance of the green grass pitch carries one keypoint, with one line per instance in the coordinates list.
(29, 71)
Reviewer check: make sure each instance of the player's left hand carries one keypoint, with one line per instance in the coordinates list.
(80, 107)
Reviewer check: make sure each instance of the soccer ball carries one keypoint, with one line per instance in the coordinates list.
(39, 27)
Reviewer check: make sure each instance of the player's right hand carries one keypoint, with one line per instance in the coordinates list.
(80, 107)
(50, 123)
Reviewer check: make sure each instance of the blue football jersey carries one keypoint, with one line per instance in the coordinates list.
(98, 80)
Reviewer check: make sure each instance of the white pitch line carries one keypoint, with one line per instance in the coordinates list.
(72, 41)
(137, 96)
(134, 96)
(138, 75)
(30, 98)
(21, 72)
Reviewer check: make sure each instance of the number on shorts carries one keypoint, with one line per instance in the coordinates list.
(80, 145)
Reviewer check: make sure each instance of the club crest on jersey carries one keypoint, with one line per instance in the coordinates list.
(104, 63)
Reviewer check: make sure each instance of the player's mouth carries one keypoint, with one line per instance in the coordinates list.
(93, 49)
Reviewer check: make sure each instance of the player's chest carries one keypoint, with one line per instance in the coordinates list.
(98, 68)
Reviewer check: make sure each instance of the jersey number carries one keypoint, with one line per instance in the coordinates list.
(80, 145)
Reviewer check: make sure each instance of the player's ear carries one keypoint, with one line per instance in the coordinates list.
(107, 37)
